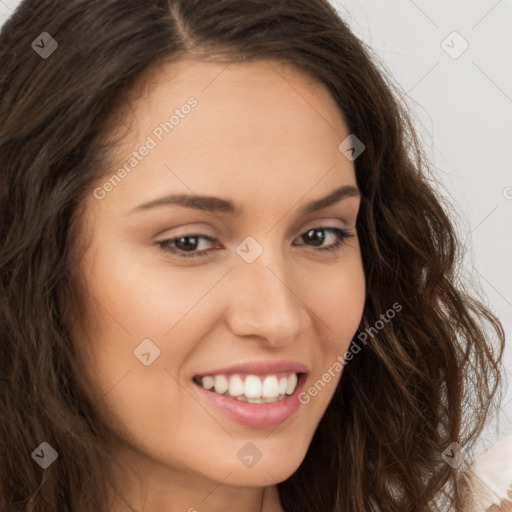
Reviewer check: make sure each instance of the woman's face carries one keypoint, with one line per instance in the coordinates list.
(209, 266)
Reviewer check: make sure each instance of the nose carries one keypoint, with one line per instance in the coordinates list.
(267, 302)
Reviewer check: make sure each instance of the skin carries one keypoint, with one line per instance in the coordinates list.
(474, 494)
(504, 506)
(265, 136)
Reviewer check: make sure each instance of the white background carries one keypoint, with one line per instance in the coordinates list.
(463, 112)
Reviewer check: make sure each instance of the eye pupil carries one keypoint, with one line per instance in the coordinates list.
(319, 238)
(189, 246)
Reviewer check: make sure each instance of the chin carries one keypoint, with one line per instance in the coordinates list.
(269, 470)
(260, 477)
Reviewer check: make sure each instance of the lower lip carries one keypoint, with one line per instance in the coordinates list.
(255, 415)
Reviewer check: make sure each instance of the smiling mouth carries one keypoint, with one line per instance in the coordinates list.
(256, 389)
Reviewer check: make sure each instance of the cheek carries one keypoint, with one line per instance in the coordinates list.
(338, 301)
(143, 298)
(129, 314)
(129, 302)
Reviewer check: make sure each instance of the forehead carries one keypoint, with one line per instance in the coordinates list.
(236, 95)
(254, 125)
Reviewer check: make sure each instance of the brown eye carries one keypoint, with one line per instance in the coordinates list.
(185, 244)
(317, 237)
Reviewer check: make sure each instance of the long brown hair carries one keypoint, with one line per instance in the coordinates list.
(429, 378)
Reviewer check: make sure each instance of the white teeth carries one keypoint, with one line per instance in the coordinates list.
(283, 384)
(252, 386)
(208, 382)
(236, 386)
(270, 387)
(292, 382)
(254, 389)
(221, 384)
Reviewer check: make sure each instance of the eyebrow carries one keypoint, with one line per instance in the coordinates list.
(226, 206)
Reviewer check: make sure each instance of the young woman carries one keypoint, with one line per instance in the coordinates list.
(226, 282)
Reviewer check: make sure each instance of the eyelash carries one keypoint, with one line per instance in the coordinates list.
(342, 236)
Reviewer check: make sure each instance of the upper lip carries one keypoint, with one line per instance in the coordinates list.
(259, 368)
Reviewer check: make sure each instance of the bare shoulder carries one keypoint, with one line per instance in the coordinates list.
(487, 482)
